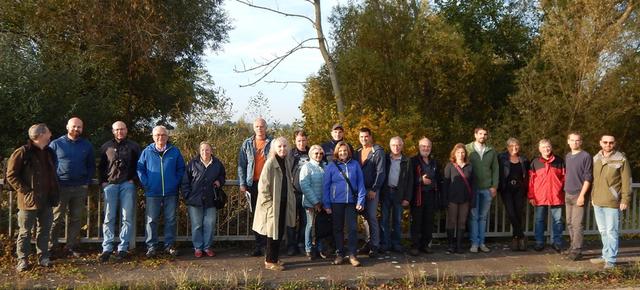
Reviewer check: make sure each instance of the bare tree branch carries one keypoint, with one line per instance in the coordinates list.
(250, 4)
(285, 83)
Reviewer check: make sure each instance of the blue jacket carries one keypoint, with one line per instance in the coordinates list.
(246, 160)
(197, 182)
(373, 168)
(75, 162)
(335, 188)
(160, 173)
(311, 175)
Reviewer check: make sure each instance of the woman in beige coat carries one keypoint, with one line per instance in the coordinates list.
(276, 203)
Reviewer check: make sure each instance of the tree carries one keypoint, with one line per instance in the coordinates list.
(267, 67)
(585, 76)
(137, 61)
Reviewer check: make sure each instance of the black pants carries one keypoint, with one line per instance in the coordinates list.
(260, 239)
(422, 221)
(514, 201)
(273, 245)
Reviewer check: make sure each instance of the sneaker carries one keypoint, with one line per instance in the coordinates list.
(574, 256)
(121, 255)
(104, 257)
(309, 255)
(557, 248)
(197, 253)
(273, 266)
(373, 253)
(151, 253)
(608, 266)
(450, 250)
(257, 252)
(354, 261)
(597, 261)
(484, 248)
(44, 262)
(171, 251)
(538, 247)
(338, 260)
(364, 250)
(322, 254)
(22, 266)
(473, 249)
(210, 252)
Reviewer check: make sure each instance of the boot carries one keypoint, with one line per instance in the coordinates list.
(459, 237)
(515, 244)
(522, 243)
(450, 237)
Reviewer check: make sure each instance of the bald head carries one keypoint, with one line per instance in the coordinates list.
(74, 128)
(260, 128)
(119, 130)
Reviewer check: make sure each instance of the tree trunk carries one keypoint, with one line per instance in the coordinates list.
(329, 62)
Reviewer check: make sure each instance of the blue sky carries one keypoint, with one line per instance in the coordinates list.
(259, 35)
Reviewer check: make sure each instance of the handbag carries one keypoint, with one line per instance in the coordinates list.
(219, 198)
(323, 225)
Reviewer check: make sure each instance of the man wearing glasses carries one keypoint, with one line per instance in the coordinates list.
(610, 195)
(160, 169)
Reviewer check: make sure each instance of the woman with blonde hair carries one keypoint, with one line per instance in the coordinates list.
(276, 203)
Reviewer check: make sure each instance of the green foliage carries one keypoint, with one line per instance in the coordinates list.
(137, 61)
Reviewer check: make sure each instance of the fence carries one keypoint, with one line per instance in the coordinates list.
(234, 219)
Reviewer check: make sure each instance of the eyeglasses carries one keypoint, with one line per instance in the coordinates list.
(608, 142)
(160, 135)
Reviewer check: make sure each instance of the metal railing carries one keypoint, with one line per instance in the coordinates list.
(234, 220)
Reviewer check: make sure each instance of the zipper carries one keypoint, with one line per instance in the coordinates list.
(347, 191)
(162, 169)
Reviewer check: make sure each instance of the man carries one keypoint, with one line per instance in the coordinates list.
(160, 169)
(426, 187)
(297, 157)
(484, 162)
(396, 194)
(75, 169)
(337, 135)
(371, 158)
(611, 194)
(32, 174)
(251, 159)
(117, 175)
(578, 179)
(546, 179)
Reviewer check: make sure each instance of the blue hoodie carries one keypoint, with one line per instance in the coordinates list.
(160, 173)
(335, 188)
(75, 162)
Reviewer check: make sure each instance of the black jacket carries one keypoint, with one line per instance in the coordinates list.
(372, 168)
(118, 161)
(454, 187)
(405, 180)
(504, 166)
(433, 191)
(197, 182)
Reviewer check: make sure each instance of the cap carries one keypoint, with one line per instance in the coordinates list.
(336, 126)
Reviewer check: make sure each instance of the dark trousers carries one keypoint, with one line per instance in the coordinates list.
(295, 235)
(261, 240)
(514, 201)
(273, 245)
(422, 221)
(345, 213)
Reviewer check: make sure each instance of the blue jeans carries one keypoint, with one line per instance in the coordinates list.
(540, 223)
(154, 205)
(118, 198)
(391, 221)
(203, 225)
(345, 213)
(478, 217)
(372, 227)
(608, 221)
(308, 237)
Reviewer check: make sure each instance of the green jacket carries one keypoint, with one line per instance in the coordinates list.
(611, 180)
(485, 169)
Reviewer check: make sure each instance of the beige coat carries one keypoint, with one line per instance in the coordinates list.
(267, 211)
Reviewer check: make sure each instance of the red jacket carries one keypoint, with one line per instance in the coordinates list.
(546, 181)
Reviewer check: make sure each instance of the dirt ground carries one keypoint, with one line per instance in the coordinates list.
(234, 265)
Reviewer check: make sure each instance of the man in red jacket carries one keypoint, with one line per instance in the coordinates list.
(546, 180)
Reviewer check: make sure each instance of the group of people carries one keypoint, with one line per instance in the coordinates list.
(300, 191)
(52, 178)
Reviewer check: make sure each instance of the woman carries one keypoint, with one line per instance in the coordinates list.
(311, 176)
(513, 187)
(276, 203)
(458, 179)
(203, 175)
(343, 194)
